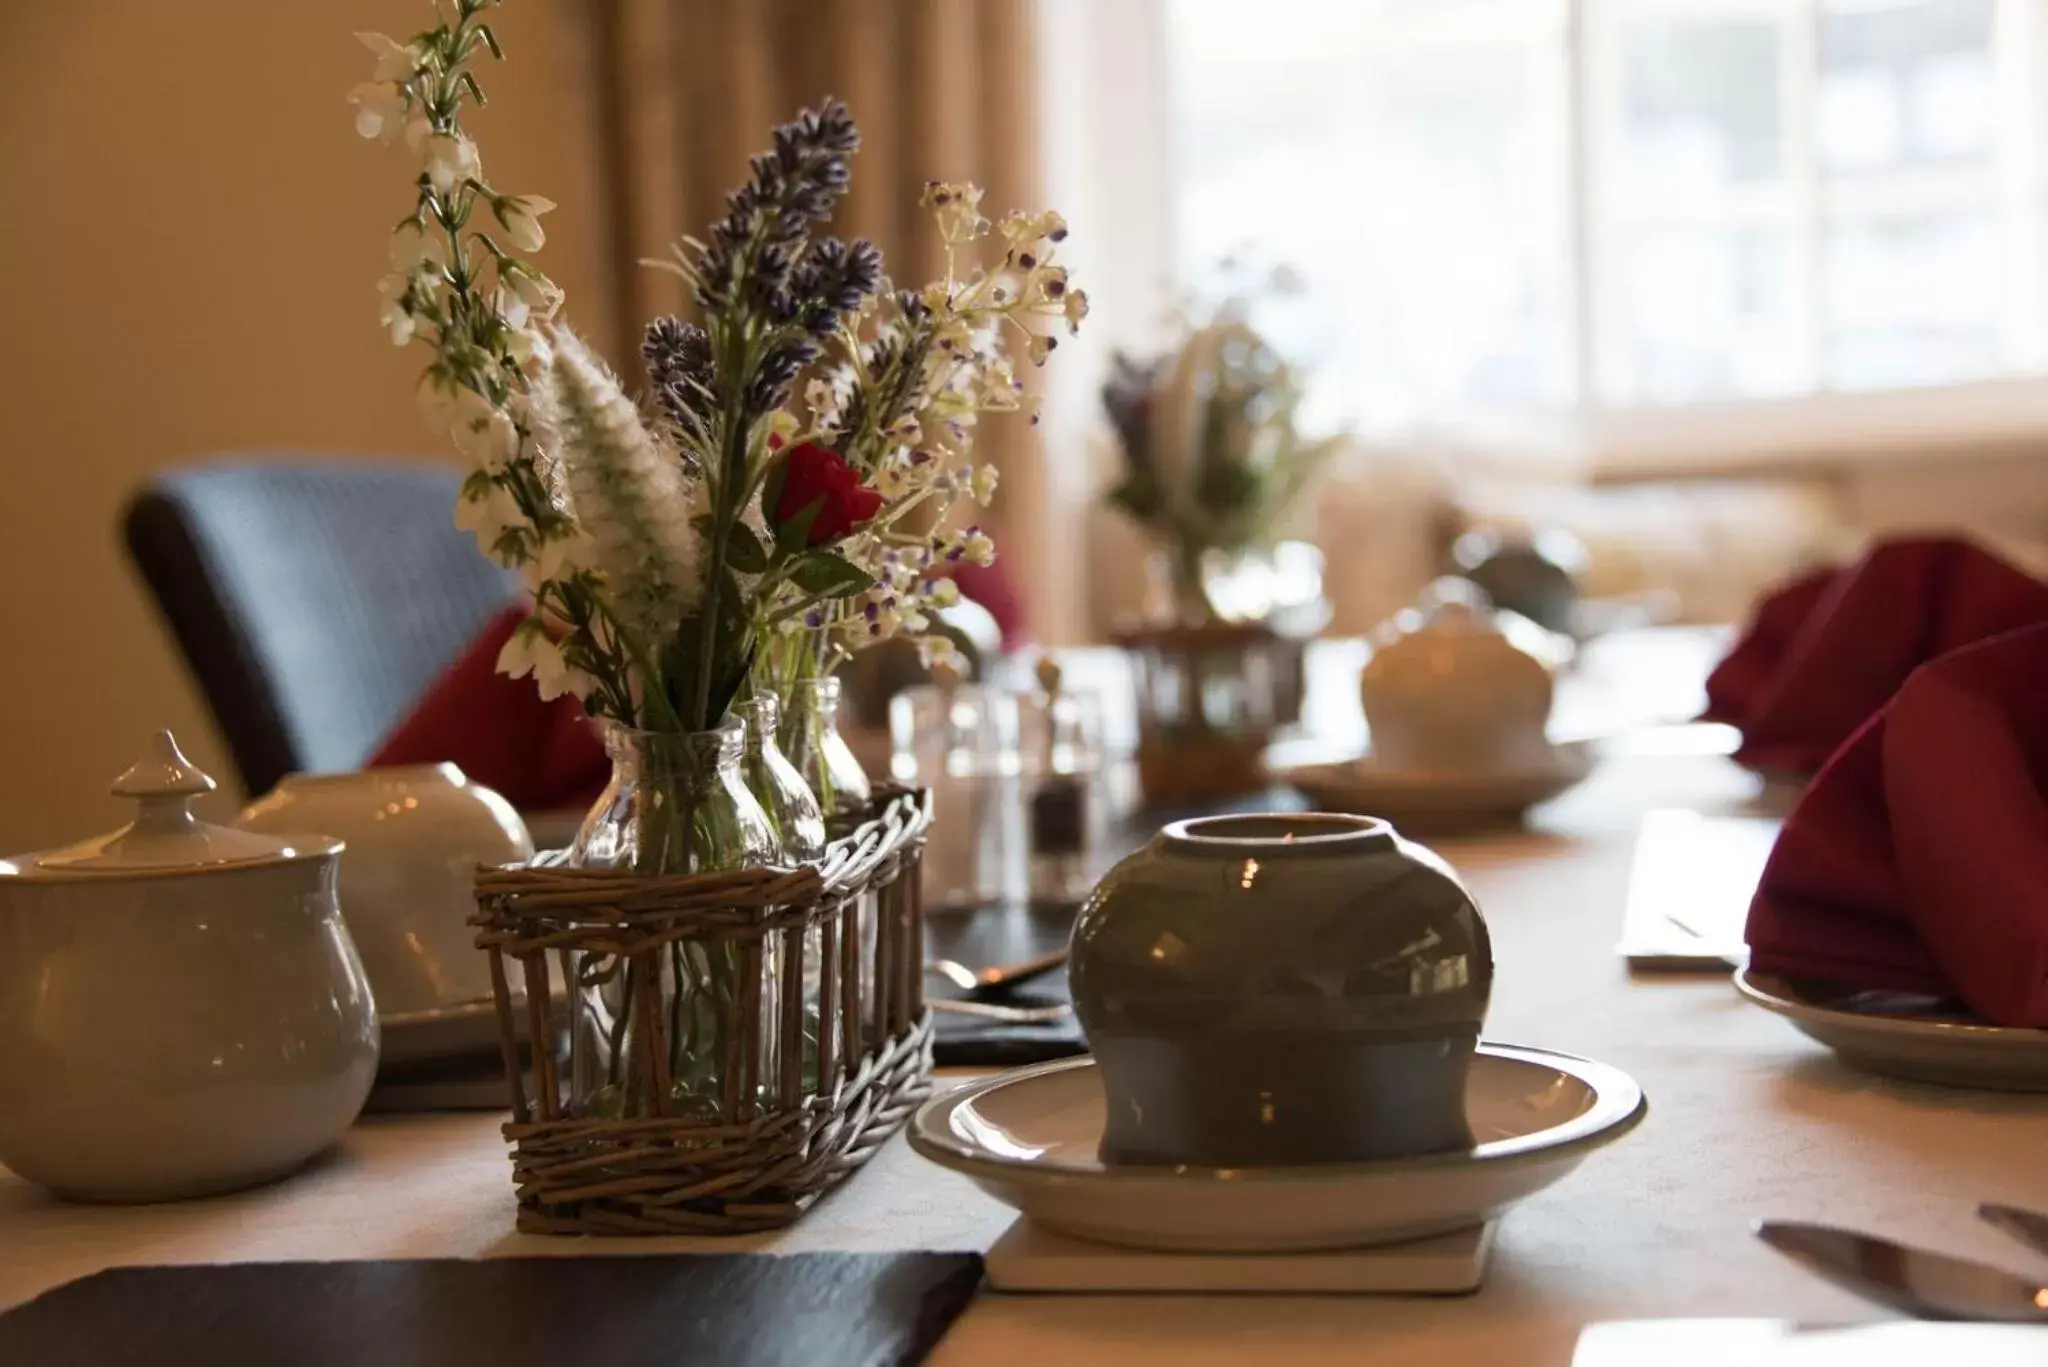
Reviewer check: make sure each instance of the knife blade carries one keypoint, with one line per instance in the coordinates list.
(2028, 1226)
(1917, 1281)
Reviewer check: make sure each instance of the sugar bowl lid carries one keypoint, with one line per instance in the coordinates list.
(165, 837)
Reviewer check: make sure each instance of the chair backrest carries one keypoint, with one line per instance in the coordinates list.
(314, 602)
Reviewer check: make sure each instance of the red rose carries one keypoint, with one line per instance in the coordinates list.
(813, 472)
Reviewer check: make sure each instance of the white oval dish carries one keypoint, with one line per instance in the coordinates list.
(1440, 801)
(1029, 1138)
(1916, 1044)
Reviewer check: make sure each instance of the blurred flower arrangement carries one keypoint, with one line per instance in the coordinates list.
(780, 500)
(1213, 453)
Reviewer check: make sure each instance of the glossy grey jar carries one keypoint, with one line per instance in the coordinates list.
(1279, 990)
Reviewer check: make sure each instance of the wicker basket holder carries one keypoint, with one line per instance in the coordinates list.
(785, 1130)
(1206, 707)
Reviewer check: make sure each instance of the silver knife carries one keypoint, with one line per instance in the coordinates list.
(2029, 1227)
(1915, 1280)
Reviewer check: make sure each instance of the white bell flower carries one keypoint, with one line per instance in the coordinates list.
(488, 518)
(535, 290)
(529, 650)
(520, 216)
(396, 61)
(418, 129)
(380, 109)
(491, 440)
(482, 431)
(414, 244)
(511, 308)
(393, 315)
(451, 159)
(529, 351)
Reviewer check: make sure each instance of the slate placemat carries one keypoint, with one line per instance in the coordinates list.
(720, 1310)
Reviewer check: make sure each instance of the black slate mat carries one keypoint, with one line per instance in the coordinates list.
(719, 1310)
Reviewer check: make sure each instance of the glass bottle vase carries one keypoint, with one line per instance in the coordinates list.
(677, 804)
(790, 805)
(811, 739)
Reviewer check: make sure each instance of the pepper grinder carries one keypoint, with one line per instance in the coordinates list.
(1064, 812)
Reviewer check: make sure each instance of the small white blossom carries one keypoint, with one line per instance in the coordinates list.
(520, 217)
(943, 593)
(511, 308)
(418, 129)
(984, 484)
(393, 314)
(451, 159)
(414, 245)
(489, 439)
(1074, 307)
(935, 650)
(958, 209)
(529, 351)
(530, 650)
(533, 289)
(380, 109)
(488, 517)
(978, 548)
(396, 61)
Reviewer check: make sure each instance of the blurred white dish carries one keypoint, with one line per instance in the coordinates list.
(1437, 800)
(1029, 1138)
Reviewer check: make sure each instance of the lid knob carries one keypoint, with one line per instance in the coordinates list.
(163, 772)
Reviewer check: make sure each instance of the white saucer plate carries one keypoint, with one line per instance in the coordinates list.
(1029, 1138)
(1438, 800)
(1907, 1040)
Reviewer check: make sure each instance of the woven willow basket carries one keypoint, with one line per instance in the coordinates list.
(826, 1049)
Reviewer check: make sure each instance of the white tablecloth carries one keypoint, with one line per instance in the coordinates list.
(1747, 1119)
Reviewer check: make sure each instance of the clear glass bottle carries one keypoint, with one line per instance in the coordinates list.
(960, 741)
(811, 740)
(676, 805)
(791, 807)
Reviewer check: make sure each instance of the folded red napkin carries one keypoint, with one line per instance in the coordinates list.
(1918, 858)
(1824, 652)
(542, 756)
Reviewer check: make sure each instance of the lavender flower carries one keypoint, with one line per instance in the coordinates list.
(679, 370)
(798, 183)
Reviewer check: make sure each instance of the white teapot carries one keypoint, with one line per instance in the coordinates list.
(182, 1008)
(1453, 686)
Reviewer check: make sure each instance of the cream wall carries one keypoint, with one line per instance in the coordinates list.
(190, 240)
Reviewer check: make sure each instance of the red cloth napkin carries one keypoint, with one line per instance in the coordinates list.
(1825, 652)
(1918, 858)
(542, 756)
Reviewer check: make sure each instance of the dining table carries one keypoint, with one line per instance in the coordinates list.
(1747, 1120)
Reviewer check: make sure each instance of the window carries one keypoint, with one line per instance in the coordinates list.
(1589, 205)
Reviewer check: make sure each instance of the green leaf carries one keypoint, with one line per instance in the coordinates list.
(745, 551)
(792, 536)
(825, 573)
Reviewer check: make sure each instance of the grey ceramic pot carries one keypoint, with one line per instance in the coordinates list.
(1273, 990)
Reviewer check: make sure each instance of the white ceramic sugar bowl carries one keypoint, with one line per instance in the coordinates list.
(183, 1010)
(1452, 686)
(415, 836)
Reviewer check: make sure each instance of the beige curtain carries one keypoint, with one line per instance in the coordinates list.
(687, 90)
